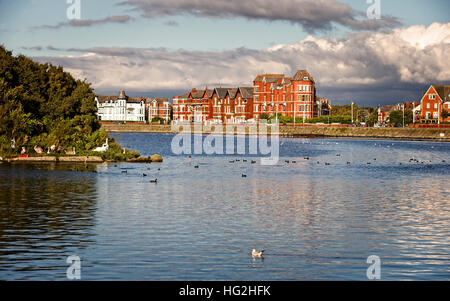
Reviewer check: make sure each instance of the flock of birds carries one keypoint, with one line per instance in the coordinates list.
(243, 175)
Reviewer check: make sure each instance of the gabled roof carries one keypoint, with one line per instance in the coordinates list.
(221, 92)
(208, 92)
(301, 74)
(197, 94)
(246, 92)
(443, 92)
(232, 92)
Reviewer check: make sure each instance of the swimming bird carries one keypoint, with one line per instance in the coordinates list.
(257, 253)
(196, 166)
(144, 174)
(231, 161)
(124, 171)
(287, 161)
(253, 162)
(154, 181)
(348, 162)
(244, 160)
(326, 163)
(294, 161)
(244, 175)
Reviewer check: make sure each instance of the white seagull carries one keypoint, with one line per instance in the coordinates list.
(257, 253)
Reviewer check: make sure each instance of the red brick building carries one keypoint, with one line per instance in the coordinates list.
(433, 102)
(270, 94)
(288, 96)
(159, 107)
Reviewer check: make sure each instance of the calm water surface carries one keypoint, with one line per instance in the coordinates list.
(315, 221)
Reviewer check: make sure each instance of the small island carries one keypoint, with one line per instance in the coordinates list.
(46, 115)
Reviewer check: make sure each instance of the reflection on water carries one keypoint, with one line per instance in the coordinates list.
(45, 212)
(315, 221)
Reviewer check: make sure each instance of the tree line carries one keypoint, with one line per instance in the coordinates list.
(42, 105)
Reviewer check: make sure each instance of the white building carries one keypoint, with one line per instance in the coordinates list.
(120, 108)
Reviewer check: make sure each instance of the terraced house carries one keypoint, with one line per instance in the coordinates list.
(159, 107)
(270, 94)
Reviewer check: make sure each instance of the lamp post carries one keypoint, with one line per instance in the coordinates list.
(439, 112)
(403, 107)
(352, 112)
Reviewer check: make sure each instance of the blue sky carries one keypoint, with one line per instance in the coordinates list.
(23, 30)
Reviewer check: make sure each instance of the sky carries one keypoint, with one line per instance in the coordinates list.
(165, 47)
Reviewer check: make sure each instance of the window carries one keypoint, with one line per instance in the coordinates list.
(256, 89)
(435, 105)
(305, 78)
(428, 105)
(432, 96)
(435, 115)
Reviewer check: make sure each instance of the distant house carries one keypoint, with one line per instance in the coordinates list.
(120, 108)
(383, 113)
(159, 107)
(433, 102)
(322, 107)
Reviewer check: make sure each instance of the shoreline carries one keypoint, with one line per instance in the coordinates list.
(75, 159)
(321, 132)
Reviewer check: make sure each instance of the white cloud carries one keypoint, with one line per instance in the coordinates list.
(382, 62)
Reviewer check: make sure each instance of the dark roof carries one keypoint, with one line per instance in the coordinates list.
(246, 92)
(209, 92)
(221, 92)
(134, 99)
(232, 92)
(102, 98)
(443, 91)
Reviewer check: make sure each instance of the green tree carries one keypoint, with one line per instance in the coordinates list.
(396, 117)
(41, 104)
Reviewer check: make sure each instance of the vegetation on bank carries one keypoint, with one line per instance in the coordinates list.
(322, 119)
(44, 108)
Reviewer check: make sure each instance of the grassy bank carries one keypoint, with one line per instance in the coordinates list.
(309, 131)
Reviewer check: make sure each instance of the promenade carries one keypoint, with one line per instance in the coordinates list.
(304, 131)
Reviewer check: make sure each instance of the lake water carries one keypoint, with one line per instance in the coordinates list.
(315, 221)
